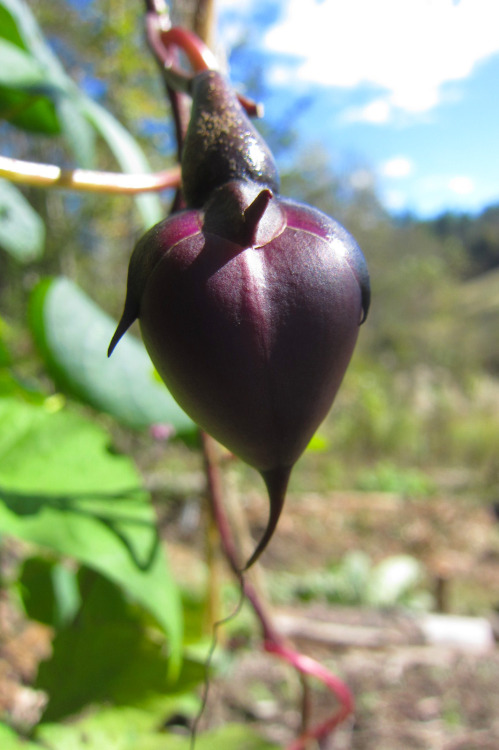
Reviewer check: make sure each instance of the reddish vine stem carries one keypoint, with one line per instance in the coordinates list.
(164, 41)
(274, 643)
(86, 180)
(157, 22)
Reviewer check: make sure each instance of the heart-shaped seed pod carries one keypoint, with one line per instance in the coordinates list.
(250, 305)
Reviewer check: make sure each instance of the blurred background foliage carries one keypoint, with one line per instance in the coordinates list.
(417, 413)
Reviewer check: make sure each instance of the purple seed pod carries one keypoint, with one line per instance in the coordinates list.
(249, 304)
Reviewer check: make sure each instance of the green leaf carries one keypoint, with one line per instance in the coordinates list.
(22, 232)
(9, 740)
(49, 591)
(61, 488)
(18, 68)
(23, 30)
(234, 737)
(8, 27)
(228, 737)
(128, 154)
(10, 383)
(129, 729)
(37, 65)
(108, 654)
(5, 355)
(77, 114)
(120, 728)
(31, 78)
(73, 334)
(29, 109)
(318, 444)
(76, 129)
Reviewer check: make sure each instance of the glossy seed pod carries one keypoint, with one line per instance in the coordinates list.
(249, 307)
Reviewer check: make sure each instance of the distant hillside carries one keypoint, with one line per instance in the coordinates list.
(479, 235)
(481, 294)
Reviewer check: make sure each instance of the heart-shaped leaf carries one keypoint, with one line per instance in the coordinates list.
(62, 488)
(73, 334)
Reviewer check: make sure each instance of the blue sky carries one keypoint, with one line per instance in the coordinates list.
(406, 90)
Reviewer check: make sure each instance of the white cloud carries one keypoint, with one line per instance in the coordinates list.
(395, 200)
(362, 179)
(431, 194)
(398, 166)
(406, 48)
(461, 185)
(376, 112)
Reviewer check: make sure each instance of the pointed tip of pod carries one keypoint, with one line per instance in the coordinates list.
(365, 288)
(276, 481)
(129, 316)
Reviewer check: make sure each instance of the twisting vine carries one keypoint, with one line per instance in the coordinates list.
(273, 641)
